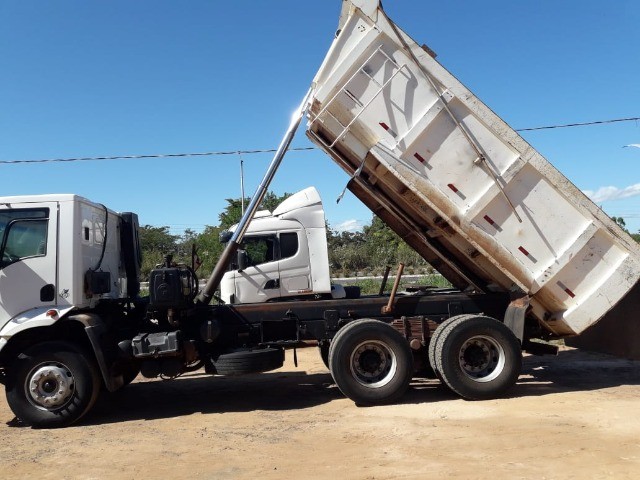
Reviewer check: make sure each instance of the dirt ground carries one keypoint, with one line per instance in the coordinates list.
(572, 416)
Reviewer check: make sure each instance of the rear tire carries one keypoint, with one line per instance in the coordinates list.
(478, 357)
(371, 362)
(433, 342)
(52, 384)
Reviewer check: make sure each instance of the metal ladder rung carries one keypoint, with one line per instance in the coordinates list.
(370, 77)
(375, 52)
(353, 97)
(346, 129)
(356, 100)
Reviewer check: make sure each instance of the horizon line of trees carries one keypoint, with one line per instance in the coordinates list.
(350, 253)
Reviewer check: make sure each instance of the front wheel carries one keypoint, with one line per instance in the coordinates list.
(371, 362)
(52, 385)
(478, 357)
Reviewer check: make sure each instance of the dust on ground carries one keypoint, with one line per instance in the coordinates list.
(576, 415)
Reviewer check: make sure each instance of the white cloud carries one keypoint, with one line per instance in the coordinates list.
(604, 194)
(349, 226)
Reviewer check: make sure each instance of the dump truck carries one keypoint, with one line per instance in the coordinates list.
(531, 258)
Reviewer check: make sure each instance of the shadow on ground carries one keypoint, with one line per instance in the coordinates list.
(203, 393)
(571, 370)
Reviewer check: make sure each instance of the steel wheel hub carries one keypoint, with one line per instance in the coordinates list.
(50, 386)
(373, 364)
(481, 358)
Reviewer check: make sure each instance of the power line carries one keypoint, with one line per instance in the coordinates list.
(162, 155)
(584, 124)
(270, 150)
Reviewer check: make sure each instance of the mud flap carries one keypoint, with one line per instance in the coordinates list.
(515, 315)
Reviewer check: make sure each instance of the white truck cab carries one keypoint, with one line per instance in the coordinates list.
(58, 253)
(284, 254)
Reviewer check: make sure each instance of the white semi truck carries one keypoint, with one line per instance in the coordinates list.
(531, 257)
(284, 254)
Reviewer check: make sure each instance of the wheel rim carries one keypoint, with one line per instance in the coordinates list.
(50, 386)
(481, 358)
(373, 364)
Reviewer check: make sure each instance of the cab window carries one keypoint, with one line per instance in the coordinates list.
(260, 249)
(23, 234)
(288, 244)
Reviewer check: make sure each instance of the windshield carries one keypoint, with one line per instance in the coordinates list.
(23, 234)
(6, 216)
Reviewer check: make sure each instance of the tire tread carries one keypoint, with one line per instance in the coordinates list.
(480, 391)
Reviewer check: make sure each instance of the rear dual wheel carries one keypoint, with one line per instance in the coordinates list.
(433, 342)
(477, 357)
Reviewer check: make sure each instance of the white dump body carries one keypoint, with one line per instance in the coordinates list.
(457, 183)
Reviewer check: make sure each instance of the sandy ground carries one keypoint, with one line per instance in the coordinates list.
(572, 416)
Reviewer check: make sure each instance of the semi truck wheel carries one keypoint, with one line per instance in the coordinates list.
(249, 361)
(478, 357)
(371, 362)
(52, 385)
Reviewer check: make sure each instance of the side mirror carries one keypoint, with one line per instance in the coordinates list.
(242, 260)
(225, 236)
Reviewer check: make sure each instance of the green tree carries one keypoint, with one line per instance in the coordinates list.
(155, 243)
(209, 248)
(208, 245)
(370, 250)
(621, 223)
(382, 243)
(233, 211)
(157, 238)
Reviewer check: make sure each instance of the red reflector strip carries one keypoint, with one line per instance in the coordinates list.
(388, 129)
(489, 220)
(419, 157)
(566, 290)
(453, 187)
(523, 250)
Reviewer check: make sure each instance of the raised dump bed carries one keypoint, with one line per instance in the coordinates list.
(460, 185)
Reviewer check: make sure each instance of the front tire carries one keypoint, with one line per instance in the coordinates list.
(371, 362)
(52, 385)
(478, 357)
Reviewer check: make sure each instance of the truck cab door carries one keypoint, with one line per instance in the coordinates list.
(259, 279)
(295, 264)
(28, 262)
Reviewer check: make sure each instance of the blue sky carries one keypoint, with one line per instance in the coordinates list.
(84, 78)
